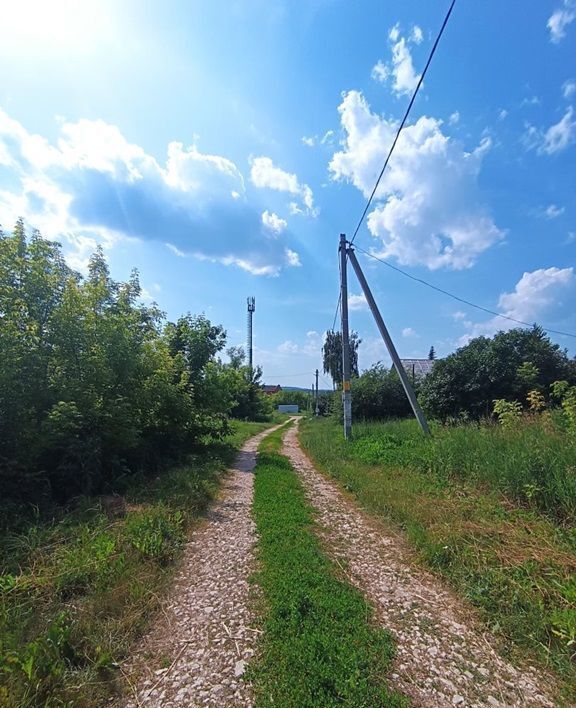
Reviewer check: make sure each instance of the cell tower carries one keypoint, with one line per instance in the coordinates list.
(251, 309)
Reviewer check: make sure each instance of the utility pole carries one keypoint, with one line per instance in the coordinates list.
(346, 393)
(386, 337)
(251, 309)
(317, 407)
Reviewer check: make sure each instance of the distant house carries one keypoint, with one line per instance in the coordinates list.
(417, 368)
(271, 390)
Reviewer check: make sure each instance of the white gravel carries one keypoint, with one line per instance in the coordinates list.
(444, 657)
(205, 635)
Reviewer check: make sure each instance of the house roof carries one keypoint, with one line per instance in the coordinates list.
(420, 367)
(271, 389)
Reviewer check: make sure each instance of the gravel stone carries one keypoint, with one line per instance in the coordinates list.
(205, 628)
(450, 645)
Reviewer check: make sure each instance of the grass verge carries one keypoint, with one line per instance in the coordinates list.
(319, 646)
(509, 560)
(75, 592)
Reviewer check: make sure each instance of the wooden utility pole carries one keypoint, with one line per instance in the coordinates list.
(317, 409)
(346, 394)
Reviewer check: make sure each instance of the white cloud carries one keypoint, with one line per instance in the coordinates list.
(311, 346)
(503, 113)
(552, 211)
(380, 71)
(402, 68)
(535, 294)
(94, 186)
(175, 250)
(292, 258)
(560, 19)
(569, 88)
(288, 347)
(429, 211)
(273, 222)
(557, 138)
(454, 118)
(531, 101)
(357, 302)
(416, 35)
(313, 140)
(264, 174)
(458, 315)
(409, 332)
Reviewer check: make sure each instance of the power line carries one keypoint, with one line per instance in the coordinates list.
(285, 376)
(336, 313)
(460, 299)
(421, 79)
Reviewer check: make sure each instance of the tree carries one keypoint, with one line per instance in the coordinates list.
(94, 386)
(332, 355)
(504, 367)
(432, 353)
(378, 394)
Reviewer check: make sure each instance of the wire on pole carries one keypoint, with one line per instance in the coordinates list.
(460, 299)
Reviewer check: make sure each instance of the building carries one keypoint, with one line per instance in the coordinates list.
(417, 368)
(271, 390)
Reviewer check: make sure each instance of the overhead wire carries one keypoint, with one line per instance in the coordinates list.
(420, 80)
(337, 310)
(459, 299)
(367, 207)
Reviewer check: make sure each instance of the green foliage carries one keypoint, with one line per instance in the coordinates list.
(446, 493)
(156, 533)
(75, 592)
(507, 412)
(332, 355)
(378, 394)
(40, 666)
(94, 387)
(506, 367)
(319, 646)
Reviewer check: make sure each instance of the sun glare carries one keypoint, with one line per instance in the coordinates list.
(53, 25)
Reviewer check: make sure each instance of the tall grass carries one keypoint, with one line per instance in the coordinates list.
(490, 509)
(533, 463)
(76, 591)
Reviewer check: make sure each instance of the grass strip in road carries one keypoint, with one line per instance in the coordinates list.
(319, 646)
(517, 566)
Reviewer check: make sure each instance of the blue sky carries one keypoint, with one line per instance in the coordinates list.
(221, 147)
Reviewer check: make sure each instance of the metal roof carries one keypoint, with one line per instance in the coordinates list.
(420, 367)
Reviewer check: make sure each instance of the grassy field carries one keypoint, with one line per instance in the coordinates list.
(490, 509)
(76, 591)
(319, 647)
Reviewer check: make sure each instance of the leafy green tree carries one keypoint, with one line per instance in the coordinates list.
(378, 394)
(94, 387)
(506, 366)
(302, 399)
(332, 355)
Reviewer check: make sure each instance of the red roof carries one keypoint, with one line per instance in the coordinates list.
(272, 389)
